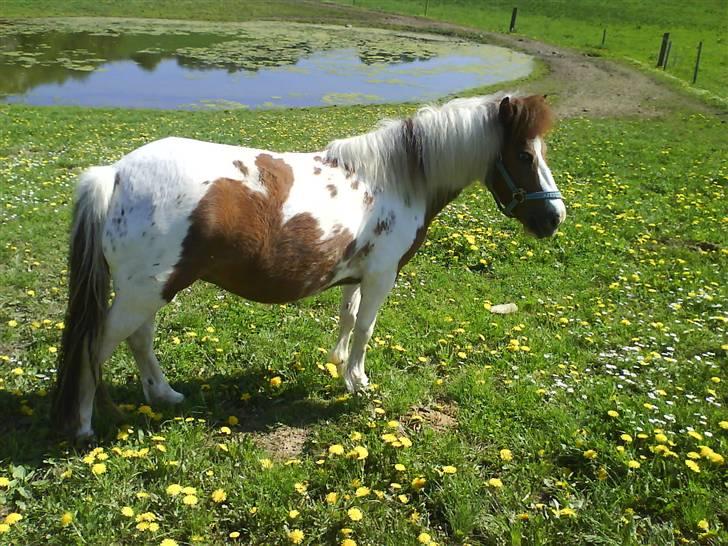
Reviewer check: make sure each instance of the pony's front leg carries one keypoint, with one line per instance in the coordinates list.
(374, 290)
(350, 298)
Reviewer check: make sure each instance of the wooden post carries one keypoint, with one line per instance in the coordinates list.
(667, 55)
(663, 48)
(697, 62)
(513, 20)
(427, 3)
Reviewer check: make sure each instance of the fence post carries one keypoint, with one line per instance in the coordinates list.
(513, 20)
(604, 37)
(663, 48)
(697, 62)
(667, 55)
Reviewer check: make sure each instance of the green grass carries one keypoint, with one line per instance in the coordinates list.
(624, 308)
(621, 330)
(634, 30)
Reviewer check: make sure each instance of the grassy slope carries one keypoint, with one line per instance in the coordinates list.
(634, 29)
(623, 309)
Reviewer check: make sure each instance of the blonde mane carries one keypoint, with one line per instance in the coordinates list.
(441, 148)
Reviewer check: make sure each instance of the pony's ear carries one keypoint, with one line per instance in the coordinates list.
(506, 111)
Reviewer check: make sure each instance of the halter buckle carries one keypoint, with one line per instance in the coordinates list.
(519, 196)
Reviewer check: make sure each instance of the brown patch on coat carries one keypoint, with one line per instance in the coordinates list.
(355, 185)
(384, 225)
(241, 167)
(332, 190)
(317, 158)
(238, 241)
(317, 170)
(368, 199)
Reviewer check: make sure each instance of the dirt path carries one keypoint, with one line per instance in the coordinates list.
(581, 85)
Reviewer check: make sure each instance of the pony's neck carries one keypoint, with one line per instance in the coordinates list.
(459, 143)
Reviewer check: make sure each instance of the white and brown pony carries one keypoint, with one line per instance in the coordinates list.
(275, 227)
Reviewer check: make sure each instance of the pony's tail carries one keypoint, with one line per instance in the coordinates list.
(88, 295)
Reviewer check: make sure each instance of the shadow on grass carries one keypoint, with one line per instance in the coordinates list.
(28, 439)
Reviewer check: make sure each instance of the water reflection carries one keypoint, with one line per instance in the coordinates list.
(289, 67)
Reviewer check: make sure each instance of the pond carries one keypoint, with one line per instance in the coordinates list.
(189, 65)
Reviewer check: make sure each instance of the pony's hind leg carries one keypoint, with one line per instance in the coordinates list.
(350, 298)
(126, 315)
(155, 384)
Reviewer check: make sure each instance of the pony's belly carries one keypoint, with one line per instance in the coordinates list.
(262, 287)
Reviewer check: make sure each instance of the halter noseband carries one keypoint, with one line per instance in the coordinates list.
(518, 195)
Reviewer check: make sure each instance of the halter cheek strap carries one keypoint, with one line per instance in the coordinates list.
(518, 195)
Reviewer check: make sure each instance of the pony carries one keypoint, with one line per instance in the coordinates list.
(275, 227)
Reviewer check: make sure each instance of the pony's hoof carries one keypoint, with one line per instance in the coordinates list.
(356, 384)
(169, 397)
(84, 437)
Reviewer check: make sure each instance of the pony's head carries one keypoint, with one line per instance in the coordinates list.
(521, 181)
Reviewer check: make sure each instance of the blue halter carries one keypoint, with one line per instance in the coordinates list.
(518, 195)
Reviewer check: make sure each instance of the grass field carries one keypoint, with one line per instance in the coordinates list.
(633, 30)
(594, 415)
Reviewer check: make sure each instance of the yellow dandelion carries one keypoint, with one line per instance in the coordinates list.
(590, 454)
(218, 496)
(4, 482)
(613, 413)
(331, 498)
(692, 465)
(348, 542)
(695, 435)
(275, 382)
(225, 430)
(293, 514)
(12, 518)
(633, 464)
(703, 525)
(495, 483)
(168, 542)
(190, 500)
(567, 512)
(98, 468)
(295, 536)
(723, 425)
(300, 488)
(4, 528)
(127, 511)
(174, 489)
(418, 483)
(355, 514)
(661, 438)
(336, 449)
(626, 438)
(234, 534)
(360, 453)
(506, 455)
(362, 492)
(66, 519)
(424, 538)
(449, 469)
(266, 464)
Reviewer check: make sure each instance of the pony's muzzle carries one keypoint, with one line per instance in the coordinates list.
(546, 222)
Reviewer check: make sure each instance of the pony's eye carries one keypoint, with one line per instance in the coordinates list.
(525, 157)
